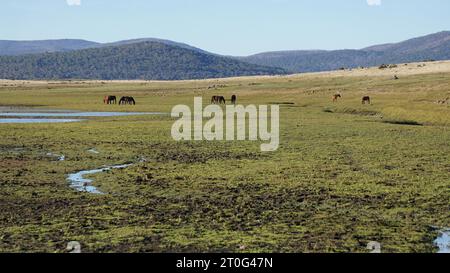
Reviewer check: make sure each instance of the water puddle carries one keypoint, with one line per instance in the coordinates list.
(76, 114)
(36, 120)
(61, 116)
(443, 241)
(82, 184)
(93, 151)
(59, 157)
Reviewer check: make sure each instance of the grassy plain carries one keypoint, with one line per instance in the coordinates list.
(345, 174)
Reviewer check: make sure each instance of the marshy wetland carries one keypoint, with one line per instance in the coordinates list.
(345, 173)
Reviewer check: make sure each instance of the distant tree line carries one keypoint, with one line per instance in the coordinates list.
(147, 61)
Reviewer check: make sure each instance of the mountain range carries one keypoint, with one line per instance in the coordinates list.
(431, 47)
(158, 59)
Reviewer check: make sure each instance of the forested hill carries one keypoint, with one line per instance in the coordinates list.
(431, 47)
(145, 60)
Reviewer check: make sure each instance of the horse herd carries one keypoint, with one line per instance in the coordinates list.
(123, 101)
(365, 99)
(127, 100)
(222, 100)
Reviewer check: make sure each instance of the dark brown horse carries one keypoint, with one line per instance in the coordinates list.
(110, 100)
(127, 100)
(218, 100)
(233, 99)
(336, 97)
(366, 99)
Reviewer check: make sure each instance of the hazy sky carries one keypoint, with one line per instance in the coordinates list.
(233, 27)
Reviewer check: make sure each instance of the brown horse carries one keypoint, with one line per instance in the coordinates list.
(127, 100)
(336, 97)
(218, 100)
(233, 99)
(110, 100)
(366, 99)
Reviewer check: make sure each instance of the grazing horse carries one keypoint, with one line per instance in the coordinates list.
(127, 100)
(336, 97)
(233, 99)
(110, 100)
(446, 101)
(366, 99)
(218, 100)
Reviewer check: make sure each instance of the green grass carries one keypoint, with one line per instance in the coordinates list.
(345, 174)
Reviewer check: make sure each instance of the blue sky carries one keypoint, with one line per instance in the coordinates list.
(232, 27)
